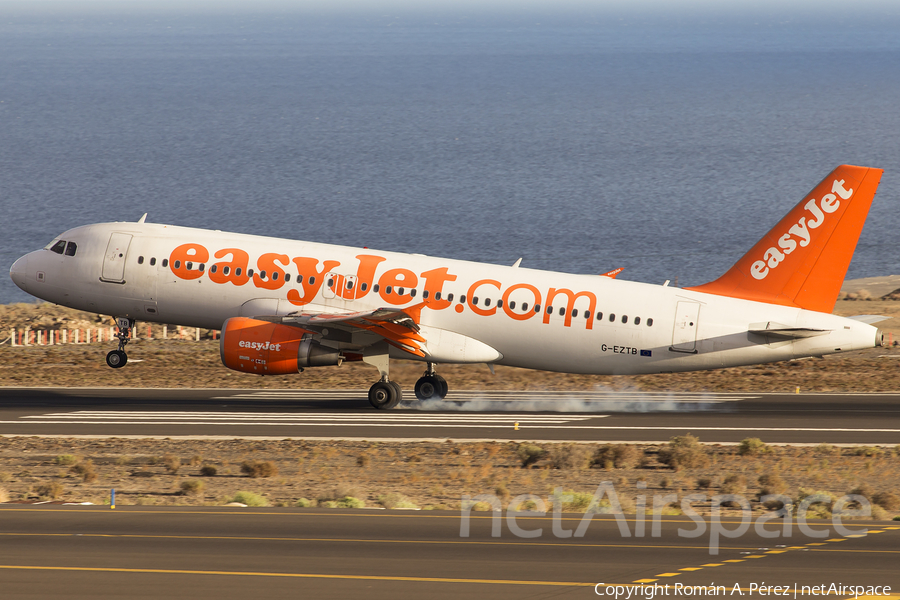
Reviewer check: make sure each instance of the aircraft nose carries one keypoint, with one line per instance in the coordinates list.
(18, 272)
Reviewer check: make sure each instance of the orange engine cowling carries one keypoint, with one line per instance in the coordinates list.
(264, 348)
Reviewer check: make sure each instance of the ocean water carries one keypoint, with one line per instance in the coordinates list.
(666, 146)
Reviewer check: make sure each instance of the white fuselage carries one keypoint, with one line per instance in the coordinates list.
(129, 270)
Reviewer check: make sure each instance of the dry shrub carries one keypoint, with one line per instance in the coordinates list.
(753, 447)
(772, 484)
(86, 469)
(868, 451)
(347, 490)
(502, 492)
(529, 454)
(66, 460)
(396, 500)
(363, 460)
(252, 468)
(570, 456)
(887, 500)
(208, 471)
(172, 463)
(684, 452)
(734, 484)
(864, 490)
(620, 456)
(51, 490)
(704, 483)
(192, 487)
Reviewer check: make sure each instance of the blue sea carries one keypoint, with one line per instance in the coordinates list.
(664, 144)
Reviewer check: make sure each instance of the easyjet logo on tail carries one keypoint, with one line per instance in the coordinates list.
(801, 232)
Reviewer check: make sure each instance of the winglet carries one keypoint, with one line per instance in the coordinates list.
(802, 261)
(612, 274)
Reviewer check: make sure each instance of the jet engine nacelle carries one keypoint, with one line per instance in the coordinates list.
(254, 346)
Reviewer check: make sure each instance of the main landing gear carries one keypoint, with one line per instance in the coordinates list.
(386, 394)
(117, 358)
(431, 386)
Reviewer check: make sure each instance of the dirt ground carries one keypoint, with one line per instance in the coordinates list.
(420, 475)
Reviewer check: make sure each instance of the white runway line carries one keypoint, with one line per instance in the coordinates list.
(506, 396)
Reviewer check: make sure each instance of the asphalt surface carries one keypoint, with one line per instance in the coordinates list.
(549, 416)
(89, 552)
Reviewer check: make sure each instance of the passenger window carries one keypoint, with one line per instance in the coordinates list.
(140, 260)
(524, 306)
(401, 291)
(188, 265)
(262, 275)
(549, 310)
(249, 272)
(312, 280)
(153, 262)
(363, 286)
(59, 247)
(487, 302)
(165, 262)
(287, 276)
(612, 317)
(71, 248)
(424, 294)
(475, 300)
(375, 288)
(637, 320)
(499, 303)
(462, 299)
(537, 308)
(226, 270)
(177, 264)
(574, 312)
(202, 267)
(624, 318)
(449, 297)
(562, 311)
(329, 283)
(587, 315)
(599, 315)
(237, 272)
(388, 289)
(213, 269)
(349, 284)
(649, 322)
(437, 295)
(275, 276)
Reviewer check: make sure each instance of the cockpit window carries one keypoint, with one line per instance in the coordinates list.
(58, 247)
(71, 248)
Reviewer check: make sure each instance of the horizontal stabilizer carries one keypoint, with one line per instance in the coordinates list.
(785, 332)
(869, 319)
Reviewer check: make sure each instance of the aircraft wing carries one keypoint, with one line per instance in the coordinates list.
(400, 328)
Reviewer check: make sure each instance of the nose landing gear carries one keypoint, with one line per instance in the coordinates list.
(117, 358)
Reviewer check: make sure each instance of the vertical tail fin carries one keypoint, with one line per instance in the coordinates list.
(802, 261)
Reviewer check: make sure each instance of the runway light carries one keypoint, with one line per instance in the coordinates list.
(797, 390)
(516, 426)
(112, 498)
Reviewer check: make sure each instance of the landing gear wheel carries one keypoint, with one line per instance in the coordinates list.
(385, 395)
(116, 359)
(431, 387)
(444, 387)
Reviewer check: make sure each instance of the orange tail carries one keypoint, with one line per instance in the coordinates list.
(802, 261)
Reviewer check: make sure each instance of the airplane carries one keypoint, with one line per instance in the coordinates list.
(283, 306)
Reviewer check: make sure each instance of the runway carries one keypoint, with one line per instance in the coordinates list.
(233, 552)
(548, 416)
